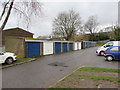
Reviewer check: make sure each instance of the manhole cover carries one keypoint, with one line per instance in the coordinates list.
(57, 64)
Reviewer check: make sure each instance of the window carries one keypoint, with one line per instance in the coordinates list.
(114, 49)
(109, 44)
(1, 53)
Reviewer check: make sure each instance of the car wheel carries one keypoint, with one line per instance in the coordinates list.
(102, 53)
(9, 61)
(109, 58)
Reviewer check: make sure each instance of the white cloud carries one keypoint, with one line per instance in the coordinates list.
(106, 11)
(79, 0)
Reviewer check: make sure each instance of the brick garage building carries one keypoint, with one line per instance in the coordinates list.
(16, 32)
(11, 42)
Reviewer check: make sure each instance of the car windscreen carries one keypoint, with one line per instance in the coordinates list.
(109, 44)
(114, 49)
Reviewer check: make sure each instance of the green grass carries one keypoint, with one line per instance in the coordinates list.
(24, 59)
(97, 69)
(77, 75)
(101, 44)
(94, 77)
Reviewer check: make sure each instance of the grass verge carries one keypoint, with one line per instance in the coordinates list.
(97, 69)
(24, 59)
(101, 44)
(90, 77)
(94, 77)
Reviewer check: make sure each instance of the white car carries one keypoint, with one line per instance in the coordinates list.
(7, 57)
(102, 49)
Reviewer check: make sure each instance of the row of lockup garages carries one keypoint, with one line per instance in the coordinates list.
(38, 48)
(88, 44)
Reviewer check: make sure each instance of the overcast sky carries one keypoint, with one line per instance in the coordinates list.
(105, 10)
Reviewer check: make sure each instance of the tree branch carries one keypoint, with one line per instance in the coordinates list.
(3, 12)
(8, 14)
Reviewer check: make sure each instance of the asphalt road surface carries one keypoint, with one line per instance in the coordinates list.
(47, 70)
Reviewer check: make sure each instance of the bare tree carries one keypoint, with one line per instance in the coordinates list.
(66, 24)
(24, 9)
(116, 33)
(91, 26)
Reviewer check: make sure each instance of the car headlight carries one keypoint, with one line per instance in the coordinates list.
(13, 54)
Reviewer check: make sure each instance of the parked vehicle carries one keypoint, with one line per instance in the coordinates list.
(7, 57)
(102, 49)
(112, 53)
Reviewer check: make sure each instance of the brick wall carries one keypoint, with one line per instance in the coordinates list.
(15, 45)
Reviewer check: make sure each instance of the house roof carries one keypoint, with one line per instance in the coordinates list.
(17, 29)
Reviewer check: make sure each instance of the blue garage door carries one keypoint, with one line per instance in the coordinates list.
(87, 44)
(70, 46)
(84, 45)
(65, 47)
(33, 49)
(90, 44)
(58, 47)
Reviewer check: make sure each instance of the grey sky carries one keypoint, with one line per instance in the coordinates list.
(107, 13)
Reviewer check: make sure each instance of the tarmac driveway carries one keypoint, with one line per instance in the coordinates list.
(47, 70)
